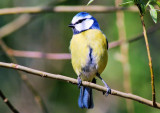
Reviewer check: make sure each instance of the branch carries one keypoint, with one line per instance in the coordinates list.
(12, 108)
(84, 83)
(40, 9)
(150, 60)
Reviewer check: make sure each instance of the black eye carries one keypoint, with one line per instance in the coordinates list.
(80, 20)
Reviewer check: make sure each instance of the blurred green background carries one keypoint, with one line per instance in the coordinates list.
(49, 33)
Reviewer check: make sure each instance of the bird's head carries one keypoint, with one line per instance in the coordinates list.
(82, 22)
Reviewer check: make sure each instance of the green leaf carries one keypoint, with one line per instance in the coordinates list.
(127, 3)
(90, 2)
(153, 13)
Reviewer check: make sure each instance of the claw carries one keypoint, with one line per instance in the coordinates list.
(107, 92)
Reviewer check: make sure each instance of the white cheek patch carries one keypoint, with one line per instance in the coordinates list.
(86, 24)
(75, 19)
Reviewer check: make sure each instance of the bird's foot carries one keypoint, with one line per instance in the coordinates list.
(108, 91)
(108, 88)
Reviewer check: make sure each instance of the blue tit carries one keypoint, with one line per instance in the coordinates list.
(89, 55)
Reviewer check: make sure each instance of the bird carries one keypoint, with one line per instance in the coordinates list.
(89, 55)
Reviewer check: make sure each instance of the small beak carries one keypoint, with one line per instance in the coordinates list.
(71, 25)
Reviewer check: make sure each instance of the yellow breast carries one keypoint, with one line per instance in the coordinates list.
(80, 47)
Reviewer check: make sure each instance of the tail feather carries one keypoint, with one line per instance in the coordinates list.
(80, 100)
(85, 98)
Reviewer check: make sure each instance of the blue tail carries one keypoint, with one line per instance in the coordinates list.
(85, 98)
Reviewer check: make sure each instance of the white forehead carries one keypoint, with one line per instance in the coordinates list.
(76, 18)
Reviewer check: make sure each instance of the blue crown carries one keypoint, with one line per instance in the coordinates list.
(82, 14)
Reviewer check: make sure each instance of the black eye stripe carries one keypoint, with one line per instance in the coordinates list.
(79, 21)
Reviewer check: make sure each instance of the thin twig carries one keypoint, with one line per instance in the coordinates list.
(150, 61)
(84, 83)
(7, 102)
(40, 9)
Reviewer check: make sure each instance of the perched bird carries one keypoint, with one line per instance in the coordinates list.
(89, 55)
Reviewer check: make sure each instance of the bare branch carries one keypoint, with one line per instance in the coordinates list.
(91, 8)
(150, 61)
(5, 100)
(84, 83)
